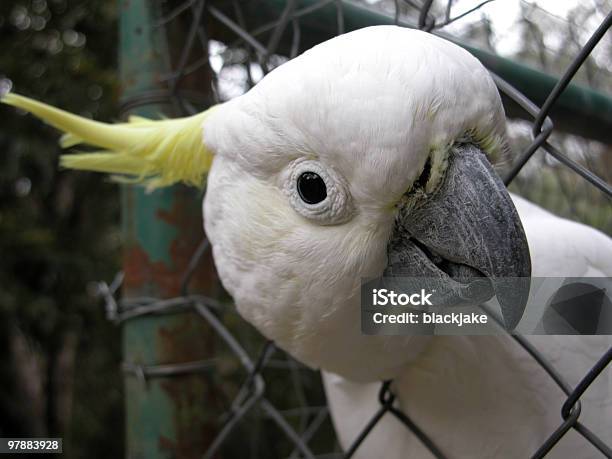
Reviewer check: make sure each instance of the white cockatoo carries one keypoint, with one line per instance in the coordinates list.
(367, 155)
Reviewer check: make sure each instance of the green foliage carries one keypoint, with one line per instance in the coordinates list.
(58, 232)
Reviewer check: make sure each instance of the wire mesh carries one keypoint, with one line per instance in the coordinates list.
(248, 54)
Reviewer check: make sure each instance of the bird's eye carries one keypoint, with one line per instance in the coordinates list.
(317, 192)
(311, 188)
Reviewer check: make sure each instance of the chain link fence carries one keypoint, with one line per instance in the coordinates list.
(238, 57)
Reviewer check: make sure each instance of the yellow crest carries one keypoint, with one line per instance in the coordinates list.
(157, 153)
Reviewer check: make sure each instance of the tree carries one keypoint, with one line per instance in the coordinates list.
(58, 233)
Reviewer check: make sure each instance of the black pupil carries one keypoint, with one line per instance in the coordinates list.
(311, 188)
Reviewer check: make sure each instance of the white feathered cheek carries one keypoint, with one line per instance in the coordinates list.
(317, 192)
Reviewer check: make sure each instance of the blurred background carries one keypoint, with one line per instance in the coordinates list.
(59, 357)
(60, 231)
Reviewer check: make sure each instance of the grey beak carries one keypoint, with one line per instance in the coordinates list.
(468, 234)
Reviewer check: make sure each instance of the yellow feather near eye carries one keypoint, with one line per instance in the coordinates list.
(157, 153)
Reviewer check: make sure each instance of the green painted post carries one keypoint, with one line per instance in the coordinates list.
(165, 417)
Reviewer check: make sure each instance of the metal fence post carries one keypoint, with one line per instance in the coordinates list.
(165, 416)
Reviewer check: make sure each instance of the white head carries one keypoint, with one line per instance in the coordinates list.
(364, 112)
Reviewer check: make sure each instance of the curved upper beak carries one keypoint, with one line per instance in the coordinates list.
(469, 234)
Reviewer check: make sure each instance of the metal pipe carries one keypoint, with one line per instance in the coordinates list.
(166, 415)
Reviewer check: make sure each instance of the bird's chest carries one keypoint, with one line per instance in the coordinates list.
(331, 340)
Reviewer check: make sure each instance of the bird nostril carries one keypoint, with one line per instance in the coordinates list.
(418, 186)
(425, 175)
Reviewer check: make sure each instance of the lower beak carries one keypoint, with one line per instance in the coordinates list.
(467, 233)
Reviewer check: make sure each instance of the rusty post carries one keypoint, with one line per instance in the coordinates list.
(165, 416)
